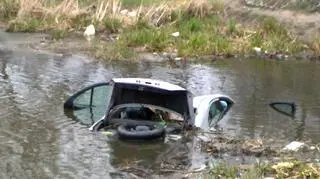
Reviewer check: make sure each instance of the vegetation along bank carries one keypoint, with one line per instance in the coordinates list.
(175, 28)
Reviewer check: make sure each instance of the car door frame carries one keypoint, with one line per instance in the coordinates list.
(202, 106)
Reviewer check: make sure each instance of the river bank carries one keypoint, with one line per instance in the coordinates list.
(162, 30)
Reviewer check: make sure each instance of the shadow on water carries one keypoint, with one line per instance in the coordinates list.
(37, 138)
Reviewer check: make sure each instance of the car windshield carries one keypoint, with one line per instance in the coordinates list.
(144, 112)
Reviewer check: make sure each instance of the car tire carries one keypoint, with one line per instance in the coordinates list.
(154, 132)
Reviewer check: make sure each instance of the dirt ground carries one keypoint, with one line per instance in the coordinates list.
(304, 25)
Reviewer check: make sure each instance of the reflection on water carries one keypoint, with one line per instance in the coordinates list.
(38, 140)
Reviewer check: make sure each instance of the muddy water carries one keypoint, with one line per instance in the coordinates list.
(37, 139)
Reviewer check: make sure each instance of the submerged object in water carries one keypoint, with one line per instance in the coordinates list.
(286, 108)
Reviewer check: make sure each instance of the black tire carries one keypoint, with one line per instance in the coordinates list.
(155, 132)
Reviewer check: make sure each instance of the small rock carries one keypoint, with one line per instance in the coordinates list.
(294, 146)
(124, 12)
(165, 54)
(90, 31)
(175, 34)
(312, 148)
(257, 49)
(132, 14)
(177, 58)
(174, 55)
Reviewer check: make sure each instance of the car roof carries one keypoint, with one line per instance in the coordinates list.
(150, 83)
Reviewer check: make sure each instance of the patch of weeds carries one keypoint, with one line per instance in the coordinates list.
(274, 37)
(136, 3)
(113, 51)
(256, 39)
(80, 21)
(198, 44)
(262, 168)
(142, 24)
(191, 25)
(202, 9)
(8, 9)
(296, 169)
(25, 25)
(217, 6)
(224, 171)
(232, 27)
(137, 37)
(221, 45)
(112, 25)
(152, 39)
(271, 26)
(315, 45)
(57, 34)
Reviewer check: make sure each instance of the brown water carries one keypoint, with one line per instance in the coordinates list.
(37, 139)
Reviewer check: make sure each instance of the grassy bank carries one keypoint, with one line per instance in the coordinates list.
(187, 28)
(285, 169)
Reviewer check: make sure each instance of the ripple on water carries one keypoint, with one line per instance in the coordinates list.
(84, 153)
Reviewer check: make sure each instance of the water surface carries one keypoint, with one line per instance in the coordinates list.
(37, 139)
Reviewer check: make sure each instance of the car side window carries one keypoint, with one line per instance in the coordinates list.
(83, 100)
(100, 96)
(97, 96)
(90, 103)
(216, 111)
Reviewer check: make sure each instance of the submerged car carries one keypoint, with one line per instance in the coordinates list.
(139, 108)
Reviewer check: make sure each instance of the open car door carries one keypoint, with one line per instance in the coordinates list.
(88, 104)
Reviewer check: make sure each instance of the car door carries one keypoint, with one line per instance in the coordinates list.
(89, 104)
(210, 109)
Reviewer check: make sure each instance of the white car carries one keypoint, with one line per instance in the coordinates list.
(139, 108)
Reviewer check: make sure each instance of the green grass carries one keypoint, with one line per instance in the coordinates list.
(136, 3)
(210, 35)
(26, 25)
(197, 37)
(286, 169)
(112, 51)
(112, 25)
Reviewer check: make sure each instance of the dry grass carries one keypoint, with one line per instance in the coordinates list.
(315, 46)
(157, 13)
